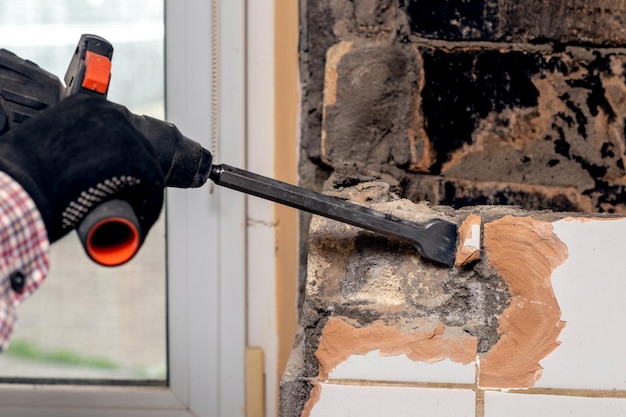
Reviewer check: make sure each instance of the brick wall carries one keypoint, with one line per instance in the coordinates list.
(464, 103)
(458, 110)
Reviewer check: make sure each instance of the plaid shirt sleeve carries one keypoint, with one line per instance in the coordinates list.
(24, 252)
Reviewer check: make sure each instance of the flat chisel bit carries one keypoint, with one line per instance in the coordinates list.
(435, 239)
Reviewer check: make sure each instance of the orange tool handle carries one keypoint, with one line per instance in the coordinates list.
(110, 233)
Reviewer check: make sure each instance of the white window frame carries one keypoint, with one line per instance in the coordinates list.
(206, 242)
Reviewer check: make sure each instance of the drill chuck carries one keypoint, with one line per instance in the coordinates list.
(184, 162)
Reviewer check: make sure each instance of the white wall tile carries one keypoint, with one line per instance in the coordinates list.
(374, 367)
(500, 404)
(590, 288)
(393, 401)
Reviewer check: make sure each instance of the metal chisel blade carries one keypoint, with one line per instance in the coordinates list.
(435, 239)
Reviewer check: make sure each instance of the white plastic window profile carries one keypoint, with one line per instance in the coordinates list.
(205, 242)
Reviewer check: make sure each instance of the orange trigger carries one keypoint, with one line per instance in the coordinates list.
(97, 72)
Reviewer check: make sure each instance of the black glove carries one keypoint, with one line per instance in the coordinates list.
(78, 154)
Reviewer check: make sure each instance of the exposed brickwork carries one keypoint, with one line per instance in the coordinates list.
(567, 21)
(370, 107)
(472, 95)
(461, 103)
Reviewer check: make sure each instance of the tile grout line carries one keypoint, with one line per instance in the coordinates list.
(570, 392)
(480, 402)
(480, 392)
(408, 384)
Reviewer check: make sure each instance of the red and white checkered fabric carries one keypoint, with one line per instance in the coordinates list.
(24, 248)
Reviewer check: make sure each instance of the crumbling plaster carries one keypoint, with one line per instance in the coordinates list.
(370, 293)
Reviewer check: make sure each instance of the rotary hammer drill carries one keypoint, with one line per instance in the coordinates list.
(111, 234)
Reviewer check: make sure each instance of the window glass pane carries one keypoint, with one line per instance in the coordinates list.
(87, 321)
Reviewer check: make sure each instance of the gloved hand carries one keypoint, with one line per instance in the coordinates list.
(78, 154)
